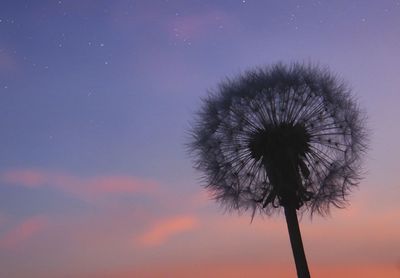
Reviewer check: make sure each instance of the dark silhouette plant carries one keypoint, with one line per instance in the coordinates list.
(280, 136)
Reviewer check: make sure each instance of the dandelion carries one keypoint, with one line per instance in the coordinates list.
(286, 137)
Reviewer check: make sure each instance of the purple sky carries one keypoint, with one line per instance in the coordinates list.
(96, 98)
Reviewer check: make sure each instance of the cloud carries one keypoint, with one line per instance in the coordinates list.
(178, 26)
(196, 25)
(84, 188)
(23, 231)
(165, 229)
(8, 63)
(201, 199)
(25, 177)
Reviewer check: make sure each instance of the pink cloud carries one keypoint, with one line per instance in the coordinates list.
(119, 184)
(23, 231)
(201, 199)
(28, 178)
(180, 26)
(196, 25)
(7, 63)
(165, 229)
(85, 188)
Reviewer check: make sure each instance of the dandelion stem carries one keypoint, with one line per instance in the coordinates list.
(296, 243)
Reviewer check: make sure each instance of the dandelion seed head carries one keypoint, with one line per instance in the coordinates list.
(279, 136)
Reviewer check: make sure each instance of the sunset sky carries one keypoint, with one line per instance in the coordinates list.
(96, 98)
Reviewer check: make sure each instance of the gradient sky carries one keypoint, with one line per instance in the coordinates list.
(95, 101)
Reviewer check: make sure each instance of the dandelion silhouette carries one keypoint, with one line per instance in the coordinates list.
(280, 136)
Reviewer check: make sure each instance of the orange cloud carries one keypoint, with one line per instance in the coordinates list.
(22, 232)
(166, 229)
(85, 188)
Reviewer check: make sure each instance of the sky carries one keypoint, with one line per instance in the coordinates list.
(96, 99)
